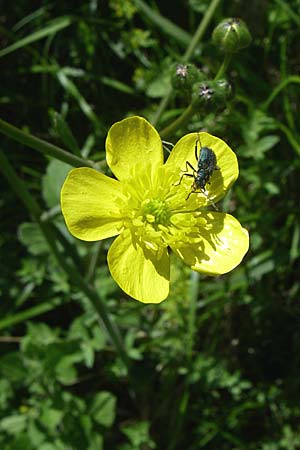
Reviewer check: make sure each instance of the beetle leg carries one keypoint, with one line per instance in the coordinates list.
(187, 166)
(184, 175)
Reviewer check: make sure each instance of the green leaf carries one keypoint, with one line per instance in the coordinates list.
(51, 418)
(37, 437)
(158, 87)
(6, 392)
(96, 442)
(13, 424)
(30, 235)
(48, 446)
(103, 408)
(65, 368)
(72, 90)
(53, 181)
(138, 435)
(12, 367)
(41, 333)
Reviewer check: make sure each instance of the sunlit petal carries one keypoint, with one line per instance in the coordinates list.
(141, 273)
(219, 247)
(131, 141)
(90, 203)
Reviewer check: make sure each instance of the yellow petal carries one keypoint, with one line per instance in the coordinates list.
(90, 203)
(222, 245)
(139, 272)
(221, 180)
(131, 141)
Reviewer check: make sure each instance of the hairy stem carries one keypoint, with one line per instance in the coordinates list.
(224, 66)
(42, 146)
(181, 120)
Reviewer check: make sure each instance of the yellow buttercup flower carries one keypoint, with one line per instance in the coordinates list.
(147, 209)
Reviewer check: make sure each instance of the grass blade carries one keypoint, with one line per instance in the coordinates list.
(53, 27)
(164, 24)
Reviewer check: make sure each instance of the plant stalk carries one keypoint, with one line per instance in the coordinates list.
(19, 187)
(188, 54)
(42, 146)
(181, 120)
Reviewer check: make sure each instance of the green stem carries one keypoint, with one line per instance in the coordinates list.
(290, 12)
(283, 69)
(19, 187)
(42, 146)
(184, 402)
(189, 111)
(224, 66)
(290, 135)
(90, 273)
(30, 313)
(185, 116)
(162, 106)
(282, 85)
(194, 291)
(164, 24)
(188, 54)
(201, 30)
(51, 213)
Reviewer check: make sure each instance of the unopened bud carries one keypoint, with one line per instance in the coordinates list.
(211, 94)
(231, 35)
(224, 88)
(184, 76)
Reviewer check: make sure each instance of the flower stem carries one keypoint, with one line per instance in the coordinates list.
(201, 29)
(91, 270)
(43, 146)
(224, 66)
(194, 290)
(29, 313)
(188, 53)
(19, 187)
(185, 398)
(185, 116)
(279, 88)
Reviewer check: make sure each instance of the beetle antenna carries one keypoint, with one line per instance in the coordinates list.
(199, 139)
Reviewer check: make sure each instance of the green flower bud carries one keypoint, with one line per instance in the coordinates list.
(210, 94)
(184, 76)
(231, 35)
(204, 94)
(224, 89)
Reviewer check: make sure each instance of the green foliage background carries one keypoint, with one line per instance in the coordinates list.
(226, 376)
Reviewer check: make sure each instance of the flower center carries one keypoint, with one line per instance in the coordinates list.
(156, 212)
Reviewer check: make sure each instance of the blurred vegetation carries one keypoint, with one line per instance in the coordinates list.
(226, 376)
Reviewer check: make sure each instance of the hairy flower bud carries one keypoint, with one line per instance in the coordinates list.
(210, 94)
(184, 76)
(224, 89)
(231, 35)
